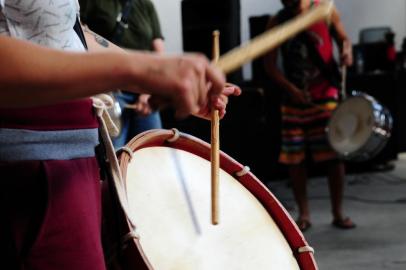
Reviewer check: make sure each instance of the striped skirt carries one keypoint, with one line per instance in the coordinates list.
(304, 131)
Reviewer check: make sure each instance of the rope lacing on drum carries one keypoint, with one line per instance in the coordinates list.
(243, 172)
(175, 137)
(101, 103)
(306, 249)
(126, 150)
(129, 236)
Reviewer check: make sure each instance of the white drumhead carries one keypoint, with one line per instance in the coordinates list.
(169, 195)
(351, 125)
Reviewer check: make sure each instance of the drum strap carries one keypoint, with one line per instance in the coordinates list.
(101, 103)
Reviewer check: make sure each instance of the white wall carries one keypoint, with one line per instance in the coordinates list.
(356, 14)
(169, 12)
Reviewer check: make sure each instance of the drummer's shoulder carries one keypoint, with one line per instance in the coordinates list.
(335, 15)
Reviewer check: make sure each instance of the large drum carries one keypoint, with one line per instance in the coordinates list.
(167, 179)
(359, 128)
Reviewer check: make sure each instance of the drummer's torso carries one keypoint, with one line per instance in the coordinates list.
(48, 23)
(45, 22)
(308, 57)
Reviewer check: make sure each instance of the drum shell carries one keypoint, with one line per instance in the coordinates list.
(382, 123)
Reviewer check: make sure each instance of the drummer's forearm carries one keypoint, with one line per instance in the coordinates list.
(32, 75)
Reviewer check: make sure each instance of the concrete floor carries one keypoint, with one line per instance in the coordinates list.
(377, 204)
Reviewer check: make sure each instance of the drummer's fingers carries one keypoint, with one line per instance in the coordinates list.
(222, 113)
(231, 89)
(194, 92)
(216, 79)
(220, 100)
(219, 104)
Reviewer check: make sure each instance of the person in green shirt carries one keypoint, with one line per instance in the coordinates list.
(131, 24)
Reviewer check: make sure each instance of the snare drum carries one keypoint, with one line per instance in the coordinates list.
(359, 128)
(167, 179)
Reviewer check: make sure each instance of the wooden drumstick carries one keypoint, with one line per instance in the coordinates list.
(131, 106)
(215, 144)
(272, 38)
(343, 82)
(343, 77)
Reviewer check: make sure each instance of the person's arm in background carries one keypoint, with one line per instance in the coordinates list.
(158, 45)
(342, 39)
(270, 62)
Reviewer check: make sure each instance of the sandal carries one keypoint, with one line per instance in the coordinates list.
(345, 223)
(303, 224)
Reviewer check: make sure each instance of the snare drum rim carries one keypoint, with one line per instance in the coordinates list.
(191, 144)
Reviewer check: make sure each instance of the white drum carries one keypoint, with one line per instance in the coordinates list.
(168, 189)
(359, 128)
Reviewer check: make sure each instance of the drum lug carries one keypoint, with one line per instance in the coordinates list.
(129, 236)
(306, 249)
(175, 137)
(243, 172)
(126, 150)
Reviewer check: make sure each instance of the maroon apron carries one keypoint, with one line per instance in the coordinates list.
(51, 209)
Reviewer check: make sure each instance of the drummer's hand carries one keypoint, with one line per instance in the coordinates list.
(186, 83)
(142, 106)
(346, 54)
(219, 102)
(299, 97)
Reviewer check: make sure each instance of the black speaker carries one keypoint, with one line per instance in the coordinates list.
(201, 17)
(258, 26)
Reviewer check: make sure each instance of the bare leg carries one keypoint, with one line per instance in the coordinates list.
(298, 174)
(336, 174)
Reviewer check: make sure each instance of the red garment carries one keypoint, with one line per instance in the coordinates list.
(320, 34)
(391, 53)
(51, 210)
(76, 114)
